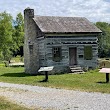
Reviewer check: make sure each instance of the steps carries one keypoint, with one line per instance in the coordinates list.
(76, 69)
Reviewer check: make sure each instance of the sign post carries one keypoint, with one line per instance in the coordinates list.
(46, 69)
(46, 76)
(107, 71)
(107, 77)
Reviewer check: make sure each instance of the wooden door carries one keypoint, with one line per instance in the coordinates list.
(72, 56)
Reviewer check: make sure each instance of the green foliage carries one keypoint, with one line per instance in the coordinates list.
(11, 36)
(18, 34)
(104, 39)
(6, 32)
(17, 59)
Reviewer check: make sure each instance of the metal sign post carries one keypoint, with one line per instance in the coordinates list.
(107, 77)
(107, 71)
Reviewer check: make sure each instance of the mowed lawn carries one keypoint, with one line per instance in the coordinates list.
(90, 81)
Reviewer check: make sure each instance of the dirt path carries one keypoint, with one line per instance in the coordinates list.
(54, 99)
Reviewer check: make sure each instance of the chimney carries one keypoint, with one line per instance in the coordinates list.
(28, 21)
(31, 58)
(29, 13)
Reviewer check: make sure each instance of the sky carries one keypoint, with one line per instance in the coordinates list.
(94, 10)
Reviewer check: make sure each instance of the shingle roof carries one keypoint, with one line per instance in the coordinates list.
(50, 24)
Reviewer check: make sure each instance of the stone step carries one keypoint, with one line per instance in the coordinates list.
(77, 72)
(76, 69)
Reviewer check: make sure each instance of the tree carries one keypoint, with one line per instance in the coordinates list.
(104, 39)
(18, 35)
(6, 32)
(11, 35)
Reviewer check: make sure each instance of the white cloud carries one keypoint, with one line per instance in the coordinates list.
(97, 10)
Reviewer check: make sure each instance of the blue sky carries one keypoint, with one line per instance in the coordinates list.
(94, 10)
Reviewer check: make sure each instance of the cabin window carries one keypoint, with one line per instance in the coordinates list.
(57, 54)
(87, 52)
(80, 56)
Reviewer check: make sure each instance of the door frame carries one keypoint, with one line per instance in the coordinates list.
(75, 55)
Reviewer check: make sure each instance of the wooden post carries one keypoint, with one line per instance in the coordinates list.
(107, 77)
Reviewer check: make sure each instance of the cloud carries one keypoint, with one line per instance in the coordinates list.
(97, 10)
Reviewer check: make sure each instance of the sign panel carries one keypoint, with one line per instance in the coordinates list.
(50, 68)
(105, 70)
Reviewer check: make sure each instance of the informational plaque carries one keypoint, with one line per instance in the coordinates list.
(49, 68)
(105, 70)
(46, 69)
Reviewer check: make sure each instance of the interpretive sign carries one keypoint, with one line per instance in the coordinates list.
(105, 70)
(49, 68)
(46, 69)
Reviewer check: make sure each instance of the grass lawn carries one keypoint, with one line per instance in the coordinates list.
(90, 81)
(6, 105)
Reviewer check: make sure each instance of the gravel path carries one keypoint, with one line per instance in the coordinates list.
(54, 99)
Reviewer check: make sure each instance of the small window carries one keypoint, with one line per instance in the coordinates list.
(88, 52)
(57, 54)
(80, 56)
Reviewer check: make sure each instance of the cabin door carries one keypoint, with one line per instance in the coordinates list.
(72, 56)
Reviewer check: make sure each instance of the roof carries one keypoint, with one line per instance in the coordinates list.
(51, 24)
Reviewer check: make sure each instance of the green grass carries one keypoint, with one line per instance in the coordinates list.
(90, 81)
(6, 105)
(2, 64)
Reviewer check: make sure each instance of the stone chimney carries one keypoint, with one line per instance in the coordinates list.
(30, 45)
(28, 15)
(29, 12)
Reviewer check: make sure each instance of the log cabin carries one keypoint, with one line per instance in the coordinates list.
(61, 42)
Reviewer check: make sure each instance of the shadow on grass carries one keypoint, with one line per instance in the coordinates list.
(22, 74)
(102, 82)
(43, 81)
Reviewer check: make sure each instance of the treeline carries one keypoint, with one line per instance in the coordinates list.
(12, 37)
(104, 39)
